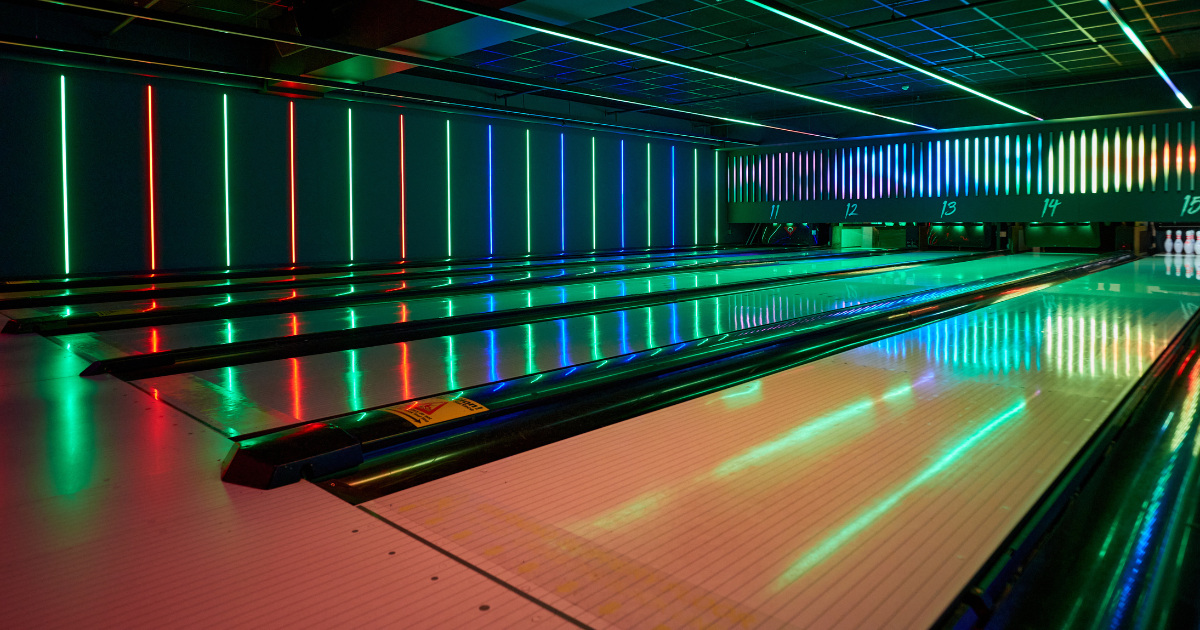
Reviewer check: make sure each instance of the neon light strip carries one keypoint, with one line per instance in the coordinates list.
(62, 95)
(225, 127)
(491, 199)
(696, 197)
(648, 239)
(449, 233)
(535, 26)
(1145, 53)
(562, 192)
(1117, 159)
(292, 173)
(150, 152)
(1095, 164)
(403, 199)
(622, 194)
(1104, 164)
(799, 20)
(528, 201)
(593, 192)
(350, 181)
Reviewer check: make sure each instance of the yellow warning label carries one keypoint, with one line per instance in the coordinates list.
(429, 411)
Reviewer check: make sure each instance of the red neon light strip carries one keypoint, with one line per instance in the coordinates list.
(403, 194)
(292, 171)
(150, 146)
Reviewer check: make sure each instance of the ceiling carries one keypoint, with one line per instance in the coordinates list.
(1052, 58)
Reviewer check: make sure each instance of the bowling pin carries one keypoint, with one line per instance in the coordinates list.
(1178, 241)
(1168, 246)
(1189, 245)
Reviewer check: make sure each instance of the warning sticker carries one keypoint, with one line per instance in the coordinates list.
(429, 411)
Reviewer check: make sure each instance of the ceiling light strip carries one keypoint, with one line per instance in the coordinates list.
(550, 29)
(782, 11)
(1125, 28)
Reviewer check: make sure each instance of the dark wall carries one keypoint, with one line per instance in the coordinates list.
(543, 183)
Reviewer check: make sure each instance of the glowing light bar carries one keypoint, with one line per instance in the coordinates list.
(62, 95)
(695, 196)
(782, 11)
(528, 201)
(491, 199)
(150, 179)
(550, 29)
(350, 181)
(649, 242)
(622, 194)
(403, 198)
(593, 192)
(562, 192)
(225, 120)
(292, 173)
(1145, 53)
(449, 239)
(672, 196)
(717, 190)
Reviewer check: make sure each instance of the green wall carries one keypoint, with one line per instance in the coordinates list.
(108, 180)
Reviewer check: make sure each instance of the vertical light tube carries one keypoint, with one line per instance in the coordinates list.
(996, 164)
(449, 228)
(403, 199)
(292, 173)
(62, 104)
(1062, 158)
(1129, 158)
(1141, 158)
(957, 166)
(1007, 168)
(1095, 164)
(987, 167)
(1166, 167)
(491, 199)
(529, 201)
(1192, 157)
(622, 194)
(1050, 166)
(562, 192)
(593, 192)
(225, 130)
(1104, 164)
(150, 153)
(1016, 164)
(695, 196)
(1117, 159)
(1153, 158)
(1040, 154)
(1179, 157)
(1029, 164)
(1071, 167)
(649, 241)
(350, 181)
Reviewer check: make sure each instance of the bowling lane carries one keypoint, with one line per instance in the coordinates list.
(109, 344)
(254, 397)
(859, 491)
(388, 285)
(283, 277)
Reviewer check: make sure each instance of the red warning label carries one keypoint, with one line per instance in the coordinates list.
(434, 410)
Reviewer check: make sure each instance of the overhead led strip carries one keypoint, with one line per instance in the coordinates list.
(1125, 28)
(548, 29)
(773, 8)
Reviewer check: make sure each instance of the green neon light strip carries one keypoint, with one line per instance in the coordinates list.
(524, 23)
(62, 93)
(799, 20)
(528, 201)
(1145, 53)
(695, 196)
(449, 248)
(593, 192)
(225, 119)
(350, 182)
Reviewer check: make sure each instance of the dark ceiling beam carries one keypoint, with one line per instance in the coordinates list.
(792, 40)
(62, 53)
(1116, 39)
(440, 66)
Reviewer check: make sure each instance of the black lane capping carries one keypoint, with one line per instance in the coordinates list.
(257, 350)
(372, 276)
(564, 616)
(111, 320)
(481, 424)
(34, 283)
(1051, 558)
